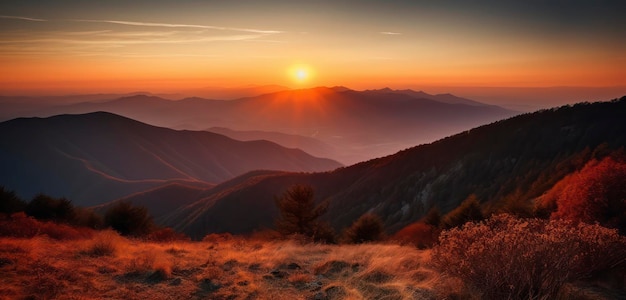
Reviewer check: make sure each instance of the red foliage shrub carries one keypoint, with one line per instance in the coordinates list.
(597, 193)
(509, 258)
(21, 226)
(217, 238)
(419, 234)
(166, 235)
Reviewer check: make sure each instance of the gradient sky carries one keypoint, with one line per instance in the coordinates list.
(163, 46)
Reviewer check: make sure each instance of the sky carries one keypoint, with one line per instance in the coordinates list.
(166, 46)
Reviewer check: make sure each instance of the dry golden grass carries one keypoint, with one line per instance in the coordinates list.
(113, 267)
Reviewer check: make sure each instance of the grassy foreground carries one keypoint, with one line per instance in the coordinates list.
(108, 266)
(113, 267)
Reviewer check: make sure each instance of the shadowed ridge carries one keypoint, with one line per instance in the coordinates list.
(519, 157)
(98, 157)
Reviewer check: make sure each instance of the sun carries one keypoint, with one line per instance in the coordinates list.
(300, 73)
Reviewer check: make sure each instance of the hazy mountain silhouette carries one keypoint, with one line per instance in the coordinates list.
(98, 157)
(307, 144)
(234, 92)
(445, 98)
(519, 158)
(361, 125)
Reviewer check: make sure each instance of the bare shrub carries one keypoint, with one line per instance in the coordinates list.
(142, 263)
(510, 258)
(105, 244)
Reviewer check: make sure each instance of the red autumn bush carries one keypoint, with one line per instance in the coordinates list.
(21, 226)
(166, 235)
(597, 193)
(419, 234)
(509, 258)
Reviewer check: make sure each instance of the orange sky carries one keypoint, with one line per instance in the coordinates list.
(162, 46)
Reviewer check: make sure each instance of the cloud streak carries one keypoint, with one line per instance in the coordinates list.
(170, 25)
(127, 41)
(390, 33)
(23, 18)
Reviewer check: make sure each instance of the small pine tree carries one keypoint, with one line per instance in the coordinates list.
(468, 211)
(129, 220)
(298, 213)
(367, 228)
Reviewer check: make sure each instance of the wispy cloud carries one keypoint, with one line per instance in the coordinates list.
(23, 18)
(390, 33)
(170, 25)
(128, 41)
(241, 37)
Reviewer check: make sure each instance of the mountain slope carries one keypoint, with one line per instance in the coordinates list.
(360, 125)
(160, 200)
(99, 157)
(519, 158)
(307, 144)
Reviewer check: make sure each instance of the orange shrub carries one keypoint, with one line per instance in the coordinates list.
(596, 194)
(419, 234)
(21, 226)
(509, 258)
(166, 235)
(217, 237)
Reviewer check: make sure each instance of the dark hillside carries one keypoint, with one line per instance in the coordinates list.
(512, 160)
(99, 157)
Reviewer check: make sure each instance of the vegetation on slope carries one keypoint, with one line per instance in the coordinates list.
(506, 165)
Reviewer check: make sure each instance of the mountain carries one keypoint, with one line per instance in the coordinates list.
(99, 157)
(444, 98)
(359, 125)
(160, 200)
(307, 144)
(510, 161)
(234, 92)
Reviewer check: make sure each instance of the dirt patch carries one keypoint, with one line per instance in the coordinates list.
(333, 269)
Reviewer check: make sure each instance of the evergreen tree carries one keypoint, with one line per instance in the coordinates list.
(367, 228)
(128, 219)
(298, 212)
(468, 211)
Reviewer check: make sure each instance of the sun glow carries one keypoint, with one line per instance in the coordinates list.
(300, 73)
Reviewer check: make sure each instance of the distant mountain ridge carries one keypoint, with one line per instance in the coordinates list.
(444, 98)
(516, 159)
(360, 125)
(99, 157)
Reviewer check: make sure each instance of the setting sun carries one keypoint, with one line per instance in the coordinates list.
(300, 73)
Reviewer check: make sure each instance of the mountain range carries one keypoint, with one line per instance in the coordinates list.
(357, 125)
(510, 161)
(98, 157)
